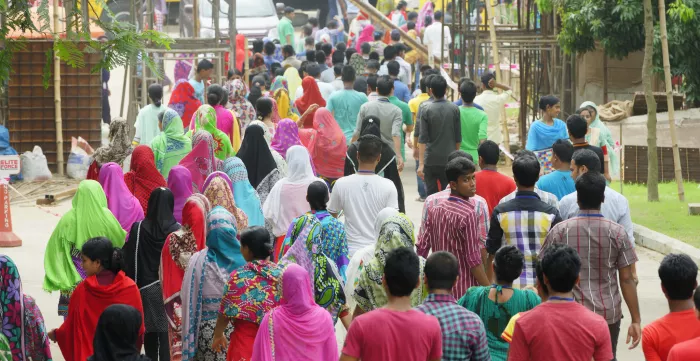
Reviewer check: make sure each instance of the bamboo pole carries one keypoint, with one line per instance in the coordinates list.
(232, 33)
(246, 63)
(497, 68)
(669, 99)
(57, 91)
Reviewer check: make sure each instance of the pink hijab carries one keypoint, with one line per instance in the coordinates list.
(301, 329)
(286, 135)
(326, 144)
(366, 35)
(180, 183)
(224, 120)
(201, 161)
(124, 205)
(426, 10)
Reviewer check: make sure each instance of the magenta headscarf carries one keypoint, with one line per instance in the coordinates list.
(366, 35)
(201, 160)
(275, 116)
(224, 121)
(426, 10)
(124, 205)
(180, 183)
(286, 135)
(301, 329)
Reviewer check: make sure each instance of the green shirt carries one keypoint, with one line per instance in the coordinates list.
(474, 126)
(345, 105)
(406, 117)
(285, 28)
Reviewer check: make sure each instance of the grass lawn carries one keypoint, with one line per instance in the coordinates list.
(669, 216)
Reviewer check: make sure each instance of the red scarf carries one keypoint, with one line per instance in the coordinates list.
(144, 177)
(183, 101)
(312, 95)
(87, 302)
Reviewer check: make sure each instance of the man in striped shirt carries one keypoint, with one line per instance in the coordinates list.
(452, 226)
(605, 251)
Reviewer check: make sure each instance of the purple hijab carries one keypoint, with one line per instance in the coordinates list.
(286, 135)
(123, 204)
(180, 183)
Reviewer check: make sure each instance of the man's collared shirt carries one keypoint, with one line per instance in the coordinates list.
(480, 207)
(615, 208)
(545, 196)
(493, 104)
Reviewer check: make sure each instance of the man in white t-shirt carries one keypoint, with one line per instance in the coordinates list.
(363, 195)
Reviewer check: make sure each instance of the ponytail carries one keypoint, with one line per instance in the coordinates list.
(155, 92)
(101, 249)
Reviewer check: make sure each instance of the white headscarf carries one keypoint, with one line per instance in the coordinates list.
(383, 215)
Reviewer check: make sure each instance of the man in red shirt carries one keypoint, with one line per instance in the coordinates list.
(395, 332)
(678, 275)
(688, 350)
(560, 329)
(490, 184)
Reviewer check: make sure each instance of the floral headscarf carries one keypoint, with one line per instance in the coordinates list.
(119, 144)
(287, 135)
(242, 108)
(357, 63)
(205, 119)
(218, 191)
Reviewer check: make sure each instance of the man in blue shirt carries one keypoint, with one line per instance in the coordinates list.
(559, 182)
(401, 90)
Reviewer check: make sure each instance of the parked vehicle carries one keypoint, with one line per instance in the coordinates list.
(254, 18)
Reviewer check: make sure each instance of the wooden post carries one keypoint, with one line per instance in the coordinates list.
(232, 33)
(669, 99)
(195, 17)
(57, 91)
(246, 63)
(605, 78)
(497, 68)
(216, 13)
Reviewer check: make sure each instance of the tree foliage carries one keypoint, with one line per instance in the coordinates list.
(125, 42)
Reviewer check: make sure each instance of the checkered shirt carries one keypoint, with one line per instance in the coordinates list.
(463, 333)
(480, 207)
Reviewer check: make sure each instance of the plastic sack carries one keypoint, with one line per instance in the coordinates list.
(79, 159)
(105, 134)
(34, 165)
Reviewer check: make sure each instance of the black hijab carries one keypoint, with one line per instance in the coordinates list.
(256, 155)
(142, 252)
(117, 334)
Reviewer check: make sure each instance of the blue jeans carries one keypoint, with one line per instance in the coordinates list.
(421, 185)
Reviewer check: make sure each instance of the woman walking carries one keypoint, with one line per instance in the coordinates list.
(184, 102)
(118, 151)
(217, 189)
(120, 201)
(201, 161)
(170, 146)
(287, 136)
(143, 177)
(180, 184)
(309, 101)
(205, 119)
(117, 335)
(241, 107)
(262, 168)
(147, 120)
(546, 131)
(279, 159)
(327, 146)
(243, 192)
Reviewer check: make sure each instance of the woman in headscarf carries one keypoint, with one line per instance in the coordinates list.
(241, 107)
(334, 243)
(236, 134)
(279, 159)
(143, 177)
(203, 286)
(224, 118)
(118, 151)
(184, 102)
(312, 96)
(182, 68)
(218, 191)
(23, 323)
(258, 66)
(205, 119)
(299, 321)
(279, 208)
(387, 162)
(264, 107)
(544, 132)
(178, 248)
(396, 232)
(280, 93)
(366, 36)
(251, 291)
(256, 155)
(147, 119)
(124, 205)
(117, 335)
(172, 145)
(293, 81)
(180, 183)
(425, 12)
(105, 285)
(244, 194)
(600, 136)
(357, 63)
(327, 146)
(142, 257)
(88, 218)
(287, 135)
(201, 161)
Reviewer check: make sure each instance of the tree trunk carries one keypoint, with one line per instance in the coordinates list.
(669, 99)
(57, 91)
(647, 73)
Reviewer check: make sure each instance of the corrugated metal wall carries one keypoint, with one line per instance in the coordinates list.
(636, 164)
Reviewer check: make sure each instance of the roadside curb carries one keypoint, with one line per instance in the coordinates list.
(662, 243)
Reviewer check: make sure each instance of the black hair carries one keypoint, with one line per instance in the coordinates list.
(321, 57)
(384, 85)
(365, 48)
(438, 15)
(338, 57)
(263, 107)
(313, 22)
(372, 80)
(270, 48)
(215, 93)
(224, 99)
(678, 274)
(577, 126)
(204, 64)
(508, 263)
(393, 68)
(459, 167)
(468, 91)
(423, 85)
(439, 86)
(588, 158)
(254, 95)
(288, 49)
(318, 47)
(313, 69)
(332, 24)
(696, 298)
(428, 21)
(261, 80)
(348, 74)
(360, 85)
(412, 16)
(372, 64)
(308, 30)
(411, 25)
(257, 239)
(369, 148)
(459, 154)
(317, 195)
(232, 72)
(540, 276)
(395, 36)
(338, 69)
(581, 110)
(489, 152)
(431, 71)
(548, 101)
(370, 125)
(390, 53)
(348, 53)
(279, 71)
(155, 92)
(486, 78)
(526, 170)
(590, 190)
(101, 249)
(563, 149)
(341, 47)
(441, 270)
(561, 265)
(378, 35)
(401, 5)
(374, 56)
(327, 48)
(311, 55)
(401, 271)
(258, 46)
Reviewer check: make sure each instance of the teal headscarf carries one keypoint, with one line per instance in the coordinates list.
(244, 194)
(605, 139)
(223, 246)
